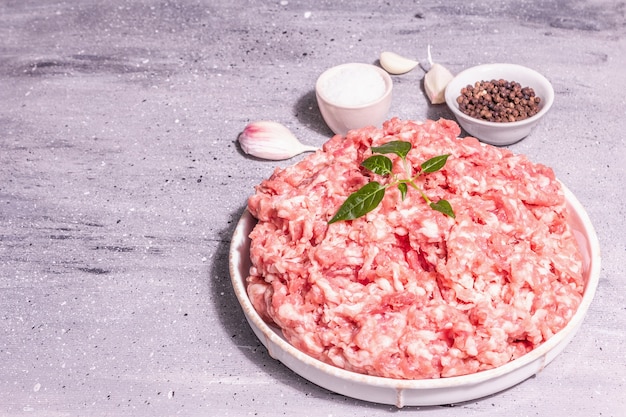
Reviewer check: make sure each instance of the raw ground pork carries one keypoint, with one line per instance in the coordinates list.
(407, 292)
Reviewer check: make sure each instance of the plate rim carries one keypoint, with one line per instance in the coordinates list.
(539, 357)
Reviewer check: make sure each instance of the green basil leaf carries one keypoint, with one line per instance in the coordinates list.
(403, 189)
(399, 147)
(360, 202)
(378, 164)
(434, 164)
(444, 207)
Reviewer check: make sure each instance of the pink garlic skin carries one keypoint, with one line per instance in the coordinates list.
(271, 140)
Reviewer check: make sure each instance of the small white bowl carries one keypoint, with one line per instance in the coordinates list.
(357, 102)
(500, 133)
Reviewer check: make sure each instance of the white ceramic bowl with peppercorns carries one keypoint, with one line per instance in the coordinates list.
(500, 133)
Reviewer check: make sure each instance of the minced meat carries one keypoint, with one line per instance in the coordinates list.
(406, 291)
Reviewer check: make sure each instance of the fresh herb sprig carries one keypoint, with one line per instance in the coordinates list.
(369, 196)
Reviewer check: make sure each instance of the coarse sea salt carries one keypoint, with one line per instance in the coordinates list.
(354, 87)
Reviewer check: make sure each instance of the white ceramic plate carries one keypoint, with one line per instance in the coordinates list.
(416, 392)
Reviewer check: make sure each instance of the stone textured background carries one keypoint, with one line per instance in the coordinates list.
(121, 183)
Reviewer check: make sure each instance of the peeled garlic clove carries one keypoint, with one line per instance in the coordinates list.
(435, 82)
(396, 64)
(271, 140)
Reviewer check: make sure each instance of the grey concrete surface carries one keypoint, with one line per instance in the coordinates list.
(121, 183)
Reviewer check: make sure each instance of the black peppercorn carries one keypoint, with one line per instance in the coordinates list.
(498, 101)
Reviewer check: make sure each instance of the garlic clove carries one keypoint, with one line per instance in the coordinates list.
(396, 64)
(435, 82)
(271, 140)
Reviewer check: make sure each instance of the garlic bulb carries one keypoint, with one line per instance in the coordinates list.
(271, 140)
(436, 80)
(396, 64)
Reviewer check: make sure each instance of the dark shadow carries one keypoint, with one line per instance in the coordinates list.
(438, 111)
(308, 114)
(230, 314)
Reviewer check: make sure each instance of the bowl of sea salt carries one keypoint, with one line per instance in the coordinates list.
(353, 96)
